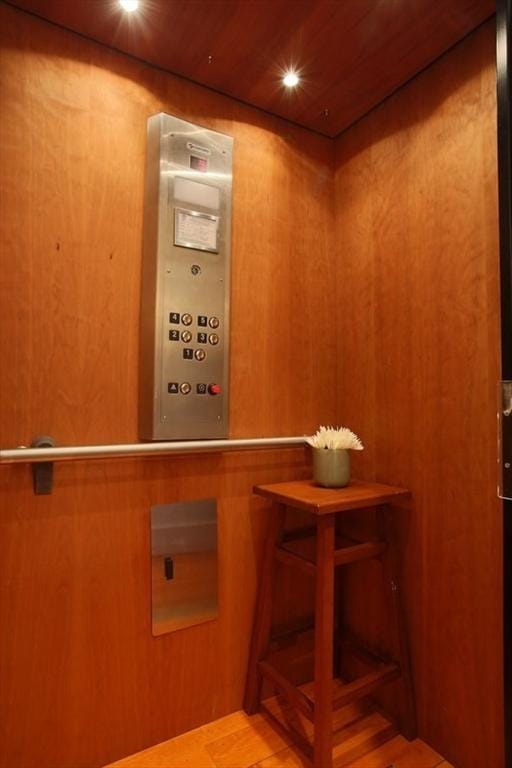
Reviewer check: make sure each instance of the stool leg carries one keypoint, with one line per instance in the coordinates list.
(408, 726)
(263, 616)
(324, 622)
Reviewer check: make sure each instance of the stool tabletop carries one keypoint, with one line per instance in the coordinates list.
(304, 494)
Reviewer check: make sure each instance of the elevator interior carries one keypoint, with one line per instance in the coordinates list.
(360, 286)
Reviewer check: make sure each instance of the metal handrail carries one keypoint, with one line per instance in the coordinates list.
(23, 455)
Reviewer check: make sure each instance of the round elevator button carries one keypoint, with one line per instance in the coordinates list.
(214, 322)
(186, 336)
(186, 319)
(213, 338)
(185, 388)
(214, 389)
(199, 354)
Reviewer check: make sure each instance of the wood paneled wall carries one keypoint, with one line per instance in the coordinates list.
(410, 363)
(82, 680)
(418, 352)
(73, 150)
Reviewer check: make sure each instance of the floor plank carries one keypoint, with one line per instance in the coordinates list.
(228, 725)
(246, 746)
(355, 739)
(186, 751)
(401, 753)
(240, 741)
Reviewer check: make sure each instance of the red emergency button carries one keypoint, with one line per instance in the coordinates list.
(214, 389)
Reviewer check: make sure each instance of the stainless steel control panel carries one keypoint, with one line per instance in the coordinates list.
(184, 355)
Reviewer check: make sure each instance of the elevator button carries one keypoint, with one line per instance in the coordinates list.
(185, 388)
(186, 336)
(199, 354)
(174, 335)
(214, 322)
(186, 319)
(172, 387)
(201, 389)
(174, 317)
(202, 338)
(202, 320)
(214, 389)
(213, 338)
(188, 354)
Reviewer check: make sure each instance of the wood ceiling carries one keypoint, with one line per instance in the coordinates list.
(351, 54)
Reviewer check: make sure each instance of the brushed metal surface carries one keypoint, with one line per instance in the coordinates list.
(24, 455)
(505, 440)
(183, 564)
(184, 280)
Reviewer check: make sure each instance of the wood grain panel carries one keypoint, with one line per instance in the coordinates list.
(418, 334)
(83, 680)
(73, 149)
(350, 54)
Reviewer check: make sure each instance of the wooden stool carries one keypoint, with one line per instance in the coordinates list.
(320, 561)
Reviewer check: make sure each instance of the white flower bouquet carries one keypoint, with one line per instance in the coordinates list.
(335, 438)
(331, 461)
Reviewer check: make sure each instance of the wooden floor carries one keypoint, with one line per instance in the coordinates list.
(240, 741)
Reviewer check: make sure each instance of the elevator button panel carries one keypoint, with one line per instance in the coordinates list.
(184, 359)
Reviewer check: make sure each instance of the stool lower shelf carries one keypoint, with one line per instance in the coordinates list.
(358, 728)
(300, 552)
(343, 693)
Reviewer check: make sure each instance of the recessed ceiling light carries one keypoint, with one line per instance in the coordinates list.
(129, 5)
(291, 79)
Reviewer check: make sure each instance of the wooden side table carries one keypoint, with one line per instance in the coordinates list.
(318, 556)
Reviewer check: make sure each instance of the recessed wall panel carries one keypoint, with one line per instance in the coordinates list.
(183, 564)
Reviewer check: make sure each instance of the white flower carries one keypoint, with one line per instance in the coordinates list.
(335, 438)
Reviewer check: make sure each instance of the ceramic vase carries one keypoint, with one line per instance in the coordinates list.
(331, 468)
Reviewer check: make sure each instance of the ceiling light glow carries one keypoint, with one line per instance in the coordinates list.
(129, 5)
(291, 79)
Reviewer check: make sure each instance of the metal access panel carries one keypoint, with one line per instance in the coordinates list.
(505, 440)
(184, 564)
(184, 354)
